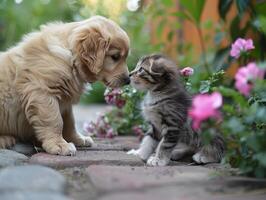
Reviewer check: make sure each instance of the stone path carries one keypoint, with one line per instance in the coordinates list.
(106, 172)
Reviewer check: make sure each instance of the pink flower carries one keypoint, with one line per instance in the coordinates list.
(187, 71)
(205, 106)
(110, 133)
(101, 128)
(241, 45)
(114, 97)
(89, 127)
(245, 75)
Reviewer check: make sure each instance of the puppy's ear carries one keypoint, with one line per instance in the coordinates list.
(91, 46)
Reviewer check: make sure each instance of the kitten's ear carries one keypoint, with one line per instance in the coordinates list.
(165, 70)
(157, 68)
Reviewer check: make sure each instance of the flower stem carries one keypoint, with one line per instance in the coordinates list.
(203, 50)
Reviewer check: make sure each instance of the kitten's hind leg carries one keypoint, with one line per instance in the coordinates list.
(180, 152)
(211, 153)
(164, 149)
(147, 147)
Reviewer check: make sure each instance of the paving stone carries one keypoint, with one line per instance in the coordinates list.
(86, 158)
(120, 143)
(175, 192)
(24, 148)
(112, 178)
(31, 178)
(32, 196)
(11, 158)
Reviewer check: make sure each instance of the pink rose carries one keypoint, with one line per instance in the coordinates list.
(246, 74)
(241, 45)
(205, 106)
(114, 97)
(187, 71)
(110, 133)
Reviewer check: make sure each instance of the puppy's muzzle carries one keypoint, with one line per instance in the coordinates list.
(126, 80)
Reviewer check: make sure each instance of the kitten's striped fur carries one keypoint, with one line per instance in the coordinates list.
(165, 108)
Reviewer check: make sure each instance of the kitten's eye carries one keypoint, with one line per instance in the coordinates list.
(116, 57)
(141, 70)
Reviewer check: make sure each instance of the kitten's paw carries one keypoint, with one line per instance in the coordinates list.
(155, 161)
(200, 158)
(133, 152)
(138, 153)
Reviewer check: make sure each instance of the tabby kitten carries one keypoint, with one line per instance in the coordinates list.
(165, 108)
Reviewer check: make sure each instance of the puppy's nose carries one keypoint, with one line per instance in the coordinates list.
(126, 80)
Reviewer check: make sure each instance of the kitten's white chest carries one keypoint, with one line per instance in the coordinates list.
(150, 111)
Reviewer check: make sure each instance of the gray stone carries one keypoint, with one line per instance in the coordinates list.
(22, 195)
(121, 178)
(31, 178)
(11, 158)
(174, 192)
(24, 148)
(86, 158)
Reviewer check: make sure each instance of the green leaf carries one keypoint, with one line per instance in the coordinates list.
(194, 9)
(205, 86)
(253, 142)
(219, 61)
(208, 24)
(170, 36)
(237, 97)
(219, 36)
(261, 157)
(234, 28)
(260, 8)
(235, 125)
(160, 28)
(223, 7)
(168, 3)
(260, 23)
(242, 5)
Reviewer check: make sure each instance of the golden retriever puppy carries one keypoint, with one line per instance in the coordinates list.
(42, 76)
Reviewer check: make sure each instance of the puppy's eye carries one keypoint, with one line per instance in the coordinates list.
(115, 57)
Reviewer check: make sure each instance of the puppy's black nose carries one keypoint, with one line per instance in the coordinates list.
(126, 80)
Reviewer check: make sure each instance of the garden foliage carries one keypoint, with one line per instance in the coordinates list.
(237, 104)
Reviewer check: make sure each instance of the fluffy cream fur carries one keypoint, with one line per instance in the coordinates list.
(42, 76)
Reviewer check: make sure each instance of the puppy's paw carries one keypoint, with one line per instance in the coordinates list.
(62, 148)
(7, 142)
(83, 141)
(155, 161)
(80, 140)
(201, 158)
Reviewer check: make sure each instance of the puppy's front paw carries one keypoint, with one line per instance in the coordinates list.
(61, 148)
(155, 161)
(81, 140)
(84, 141)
